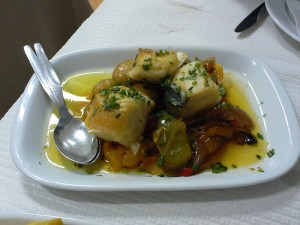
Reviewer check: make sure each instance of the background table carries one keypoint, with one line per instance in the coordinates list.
(140, 23)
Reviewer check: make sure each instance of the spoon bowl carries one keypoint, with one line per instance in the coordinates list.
(71, 136)
(75, 142)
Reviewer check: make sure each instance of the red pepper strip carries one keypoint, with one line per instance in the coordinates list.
(186, 172)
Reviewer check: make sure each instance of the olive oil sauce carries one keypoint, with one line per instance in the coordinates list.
(77, 90)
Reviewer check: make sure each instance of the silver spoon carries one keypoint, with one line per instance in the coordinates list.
(71, 136)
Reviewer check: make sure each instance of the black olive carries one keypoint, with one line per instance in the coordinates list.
(245, 138)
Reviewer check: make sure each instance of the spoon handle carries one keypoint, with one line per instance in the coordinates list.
(47, 77)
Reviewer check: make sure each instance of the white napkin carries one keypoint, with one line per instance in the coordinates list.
(294, 9)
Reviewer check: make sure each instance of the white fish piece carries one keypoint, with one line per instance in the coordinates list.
(201, 91)
(153, 65)
(116, 116)
(182, 58)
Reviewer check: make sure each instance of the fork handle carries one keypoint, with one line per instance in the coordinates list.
(50, 84)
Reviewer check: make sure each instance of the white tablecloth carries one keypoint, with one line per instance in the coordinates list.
(140, 22)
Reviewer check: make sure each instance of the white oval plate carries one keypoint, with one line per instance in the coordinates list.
(261, 84)
(279, 13)
(25, 218)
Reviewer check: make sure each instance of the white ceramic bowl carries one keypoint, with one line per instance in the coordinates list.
(261, 83)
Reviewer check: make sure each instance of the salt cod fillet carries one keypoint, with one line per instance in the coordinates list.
(119, 114)
(200, 90)
(153, 65)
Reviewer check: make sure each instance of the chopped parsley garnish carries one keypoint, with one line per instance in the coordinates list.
(148, 63)
(271, 153)
(132, 93)
(234, 166)
(197, 71)
(259, 169)
(160, 161)
(258, 157)
(223, 104)
(214, 78)
(162, 52)
(111, 103)
(222, 90)
(195, 167)
(218, 168)
(259, 135)
(95, 111)
(146, 66)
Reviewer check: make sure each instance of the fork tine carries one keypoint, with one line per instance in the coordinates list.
(40, 73)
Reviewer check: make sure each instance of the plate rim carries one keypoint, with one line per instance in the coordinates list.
(292, 32)
(274, 78)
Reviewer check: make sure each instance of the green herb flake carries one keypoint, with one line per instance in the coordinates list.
(111, 103)
(264, 115)
(146, 67)
(195, 167)
(214, 78)
(148, 63)
(218, 168)
(271, 153)
(194, 83)
(172, 63)
(259, 169)
(222, 90)
(162, 53)
(258, 157)
(234, 166)
(223, 104)
(259, 135)
(95, 111)
(160, 161)
(104, 92)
